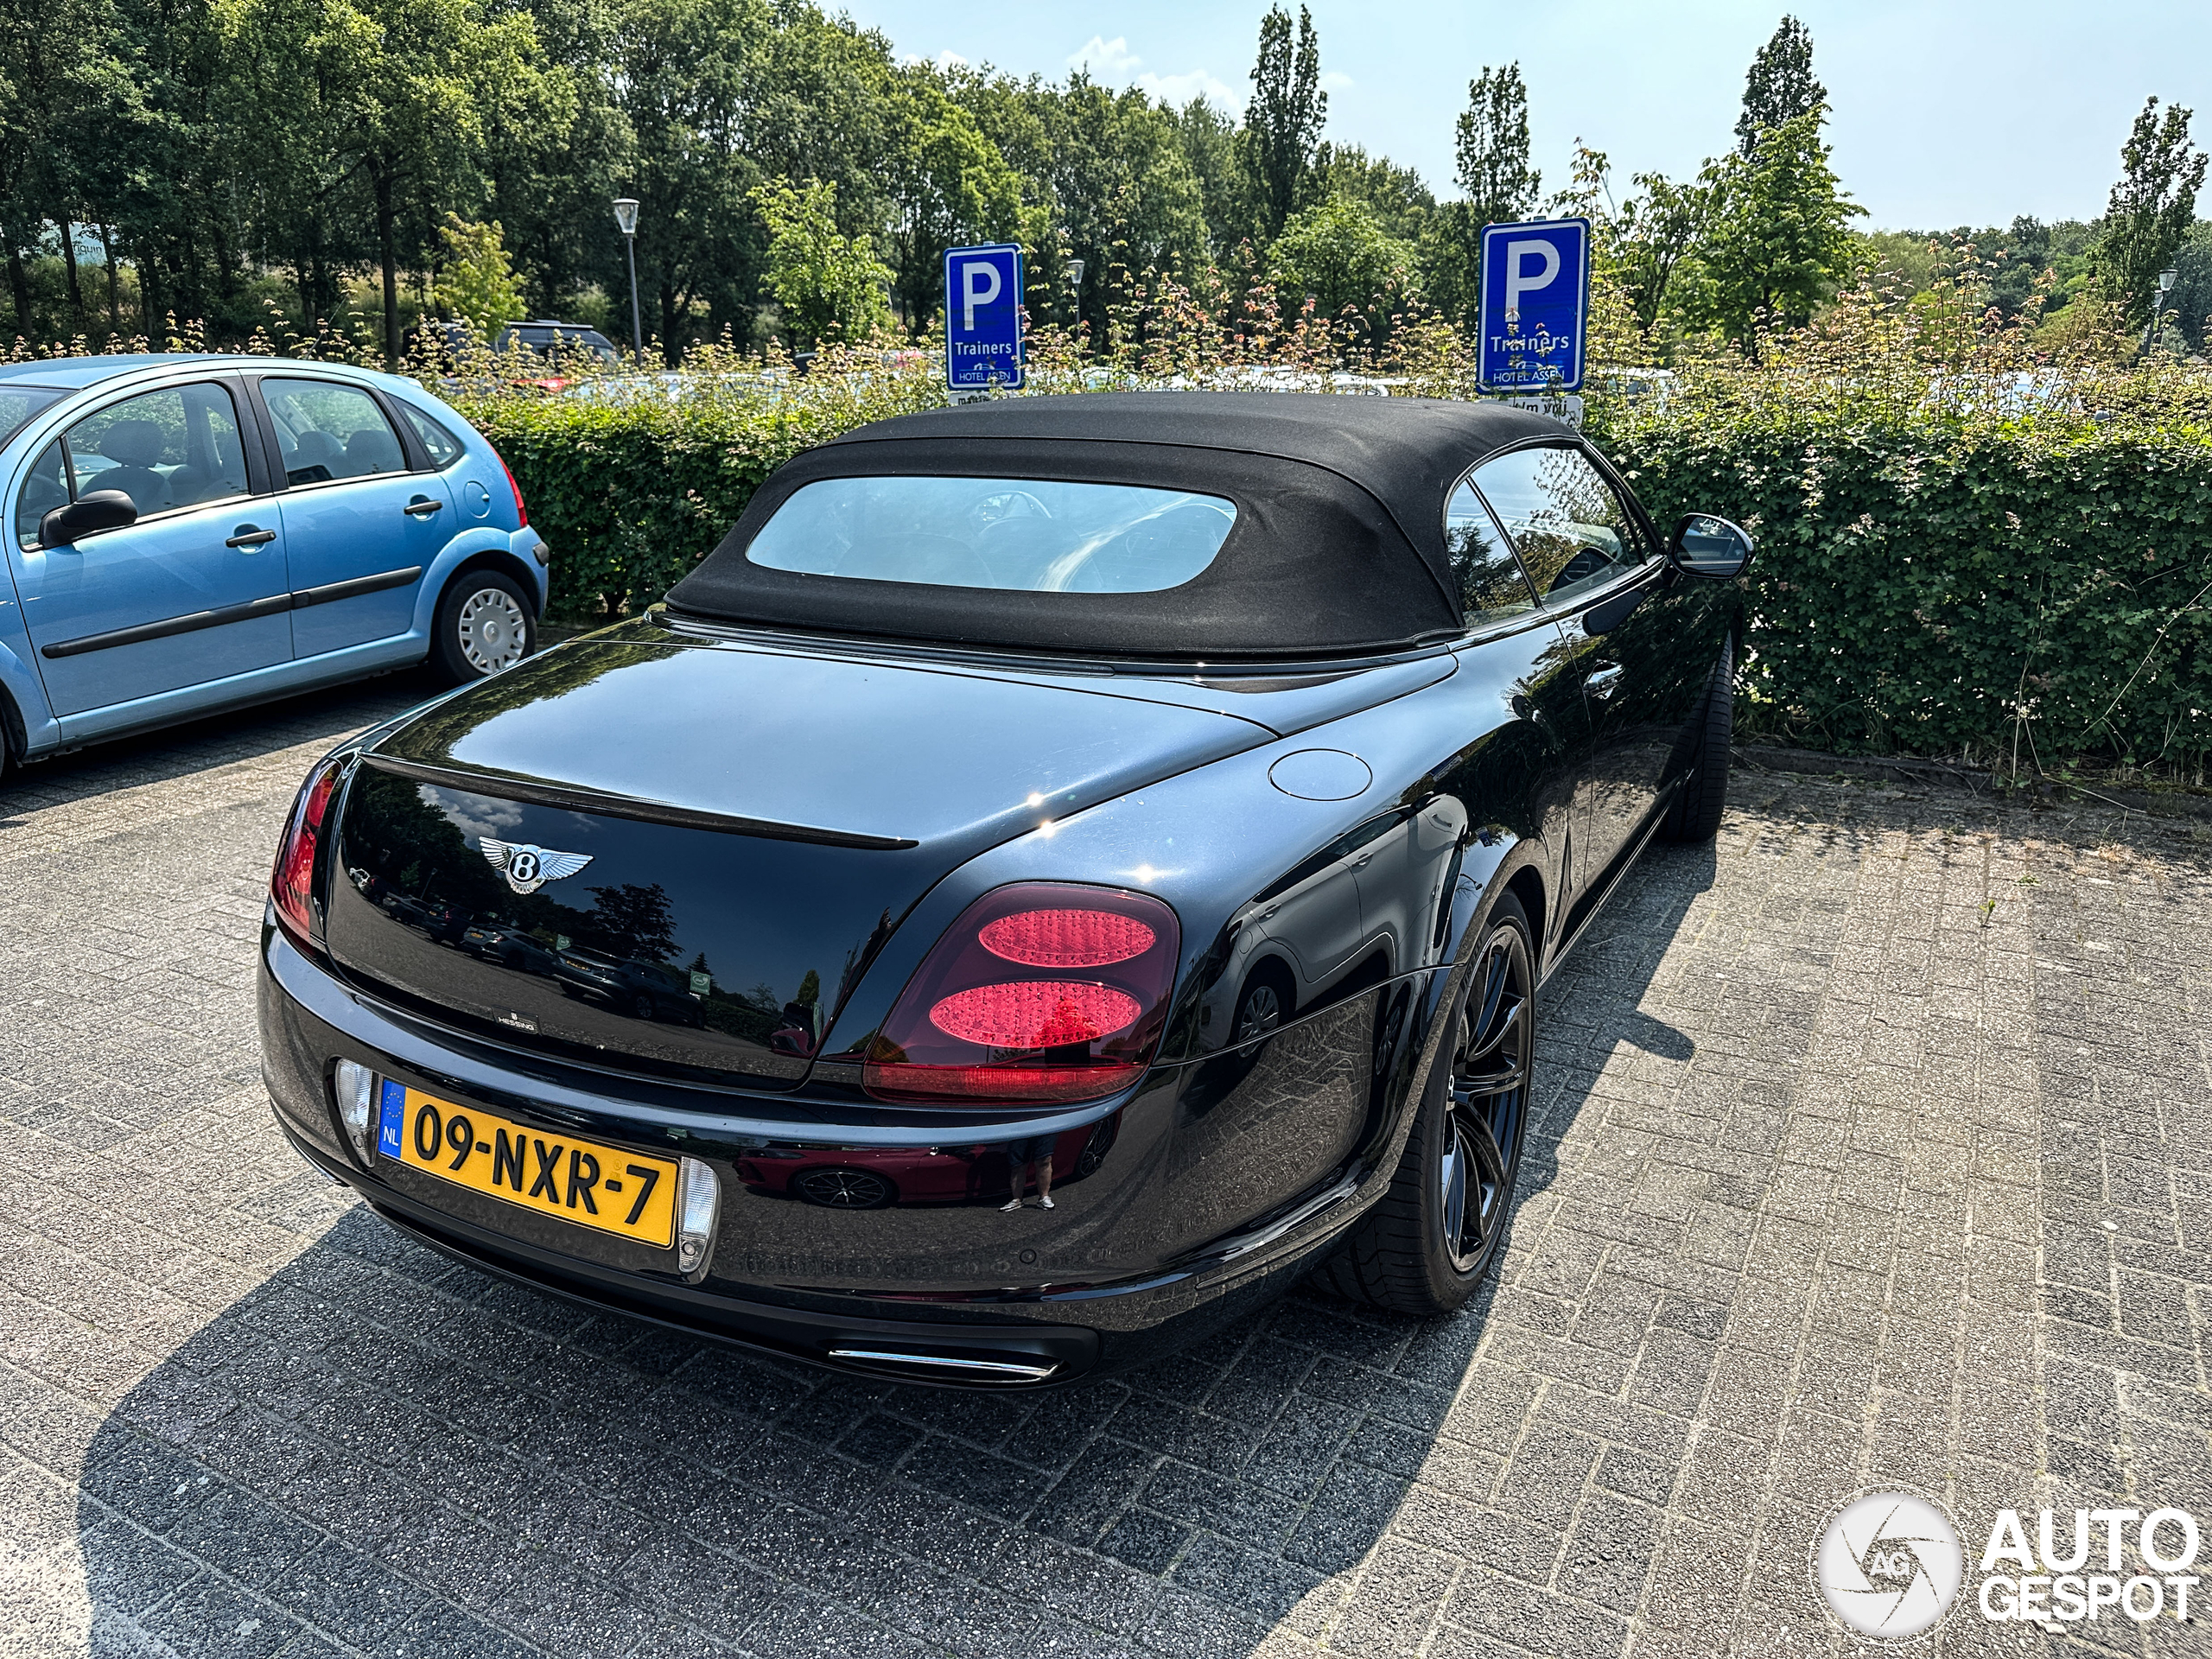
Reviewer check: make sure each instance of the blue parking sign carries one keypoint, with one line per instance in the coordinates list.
(1535, 305)
(983, 317)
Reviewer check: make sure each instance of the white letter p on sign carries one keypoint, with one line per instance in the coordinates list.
(973, 292)
(1517, 281)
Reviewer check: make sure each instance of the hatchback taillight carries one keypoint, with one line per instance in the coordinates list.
(522, 514)
(1040, 994)
(292, 883)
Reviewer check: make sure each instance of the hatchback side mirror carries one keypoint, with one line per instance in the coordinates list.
(1706, 546)
(98, 509)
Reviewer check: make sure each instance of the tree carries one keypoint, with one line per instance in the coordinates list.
(1491, 147)
(1776, 243)
(419, 78)
(1283, 122)
(2151, 210)
(1495, 182)
(830, 285)
(949, 187)
(1337, 257)
(478, 284)
(1652, 234)
(1209, 138)
(1401, 203)
(1127, 200)
(1779, 86)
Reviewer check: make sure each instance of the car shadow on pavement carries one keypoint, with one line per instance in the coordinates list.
(378, 1450)
(215, 741)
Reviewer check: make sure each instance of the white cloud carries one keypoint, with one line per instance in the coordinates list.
(1180, 90)
(1335, 81)
(949, 58)
(1112, 60)
(1105, 58)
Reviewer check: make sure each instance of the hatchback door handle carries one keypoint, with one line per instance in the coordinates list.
(251, 536)
(420, 507)
(1603, 681)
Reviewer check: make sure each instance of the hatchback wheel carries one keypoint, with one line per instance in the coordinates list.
(484, 627)
(845, 1189)
(1428, 1244)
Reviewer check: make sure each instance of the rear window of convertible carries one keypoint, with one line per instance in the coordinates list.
(1023, 535)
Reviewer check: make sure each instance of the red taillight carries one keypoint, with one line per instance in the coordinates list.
(292, 884)
(1035, 1013)
(1066, 938)
(522, 514)
(1078, 1021)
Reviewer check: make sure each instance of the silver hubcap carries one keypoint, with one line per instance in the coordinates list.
(493, 630)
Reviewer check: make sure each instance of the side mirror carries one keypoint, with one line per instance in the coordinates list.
(1706, 546)
(98, 509)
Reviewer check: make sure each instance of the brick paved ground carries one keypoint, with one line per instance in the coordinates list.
(1873, 1149)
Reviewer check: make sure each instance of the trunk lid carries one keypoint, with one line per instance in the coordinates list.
(676, 858)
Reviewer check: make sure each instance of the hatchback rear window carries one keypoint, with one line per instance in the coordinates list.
(1021, 534)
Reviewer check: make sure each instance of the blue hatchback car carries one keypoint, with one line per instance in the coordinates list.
(192, 533)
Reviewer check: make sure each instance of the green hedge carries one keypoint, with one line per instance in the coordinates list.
(1933, 589)
(1923, 585)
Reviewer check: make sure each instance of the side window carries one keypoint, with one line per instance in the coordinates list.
(46, 488)
(327, 431)
(444, 448)
(1574, 533)
(1490, 583)
(175, 447)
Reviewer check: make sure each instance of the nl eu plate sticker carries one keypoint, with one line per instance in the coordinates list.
(391, 1113)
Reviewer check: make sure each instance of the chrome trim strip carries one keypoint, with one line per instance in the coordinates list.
(574, 798)
(999, 1368)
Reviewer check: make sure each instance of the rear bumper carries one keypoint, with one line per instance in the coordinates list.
(938, 1284)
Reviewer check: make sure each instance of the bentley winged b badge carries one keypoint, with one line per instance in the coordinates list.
(528, 868)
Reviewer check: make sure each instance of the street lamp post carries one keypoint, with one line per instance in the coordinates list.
(625, 215)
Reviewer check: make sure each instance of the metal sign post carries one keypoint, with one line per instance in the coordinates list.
(982, 318)
(1536, 307)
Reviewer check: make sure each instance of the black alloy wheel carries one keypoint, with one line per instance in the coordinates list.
(845, 1189)
(1428, 1243)
(1489, 1090)
(642, 1006)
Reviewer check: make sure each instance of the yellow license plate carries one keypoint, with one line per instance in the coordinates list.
(625, 1193)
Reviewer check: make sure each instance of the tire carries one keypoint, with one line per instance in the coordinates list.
(1695, 814)
(1429, 1243)
(484, 625)
(642, 1006)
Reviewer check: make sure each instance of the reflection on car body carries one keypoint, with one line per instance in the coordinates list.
(1088, 866)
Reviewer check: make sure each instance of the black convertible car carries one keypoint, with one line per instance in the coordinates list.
(1158, 811)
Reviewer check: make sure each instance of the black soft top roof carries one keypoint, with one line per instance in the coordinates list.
(1339, 546)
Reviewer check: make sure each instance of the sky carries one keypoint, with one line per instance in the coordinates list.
(1946, 113)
